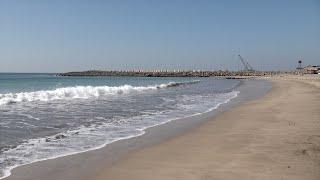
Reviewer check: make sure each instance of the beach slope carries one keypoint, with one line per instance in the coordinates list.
(274, 137)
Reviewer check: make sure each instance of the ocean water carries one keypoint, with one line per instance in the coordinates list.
(43, 116)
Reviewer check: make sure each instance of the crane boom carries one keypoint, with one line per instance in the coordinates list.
(246, 65)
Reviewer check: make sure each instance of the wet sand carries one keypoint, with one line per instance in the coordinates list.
(84, 166)
(274, 137)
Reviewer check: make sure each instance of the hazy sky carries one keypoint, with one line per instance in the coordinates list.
(68, 35)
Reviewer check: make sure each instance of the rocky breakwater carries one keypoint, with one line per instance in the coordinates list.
(166, 73)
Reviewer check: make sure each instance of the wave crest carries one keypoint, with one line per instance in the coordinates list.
(80, 92)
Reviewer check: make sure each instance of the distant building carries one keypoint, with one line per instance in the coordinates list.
(312, 69)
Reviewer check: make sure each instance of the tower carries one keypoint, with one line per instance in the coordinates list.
(299, 64)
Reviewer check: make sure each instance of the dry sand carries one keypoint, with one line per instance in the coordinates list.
(274, 137)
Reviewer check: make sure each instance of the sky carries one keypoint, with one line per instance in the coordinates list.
(75, 35)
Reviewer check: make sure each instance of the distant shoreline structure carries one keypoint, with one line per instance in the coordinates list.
(173, 73)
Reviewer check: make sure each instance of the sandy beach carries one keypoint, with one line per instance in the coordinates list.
(274, 137)
(159, 90)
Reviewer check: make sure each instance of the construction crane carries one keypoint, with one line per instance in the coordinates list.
(246, 65)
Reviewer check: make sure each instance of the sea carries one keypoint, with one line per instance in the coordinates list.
(44, 116)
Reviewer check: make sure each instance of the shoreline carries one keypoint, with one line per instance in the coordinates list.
(276, 136)
(127, 145)
(56, 154)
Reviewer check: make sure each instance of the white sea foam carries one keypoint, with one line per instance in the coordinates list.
(94, 137)
(79, 92)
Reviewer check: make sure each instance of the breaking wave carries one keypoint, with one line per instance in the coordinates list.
(87, 138)
(81, 92)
